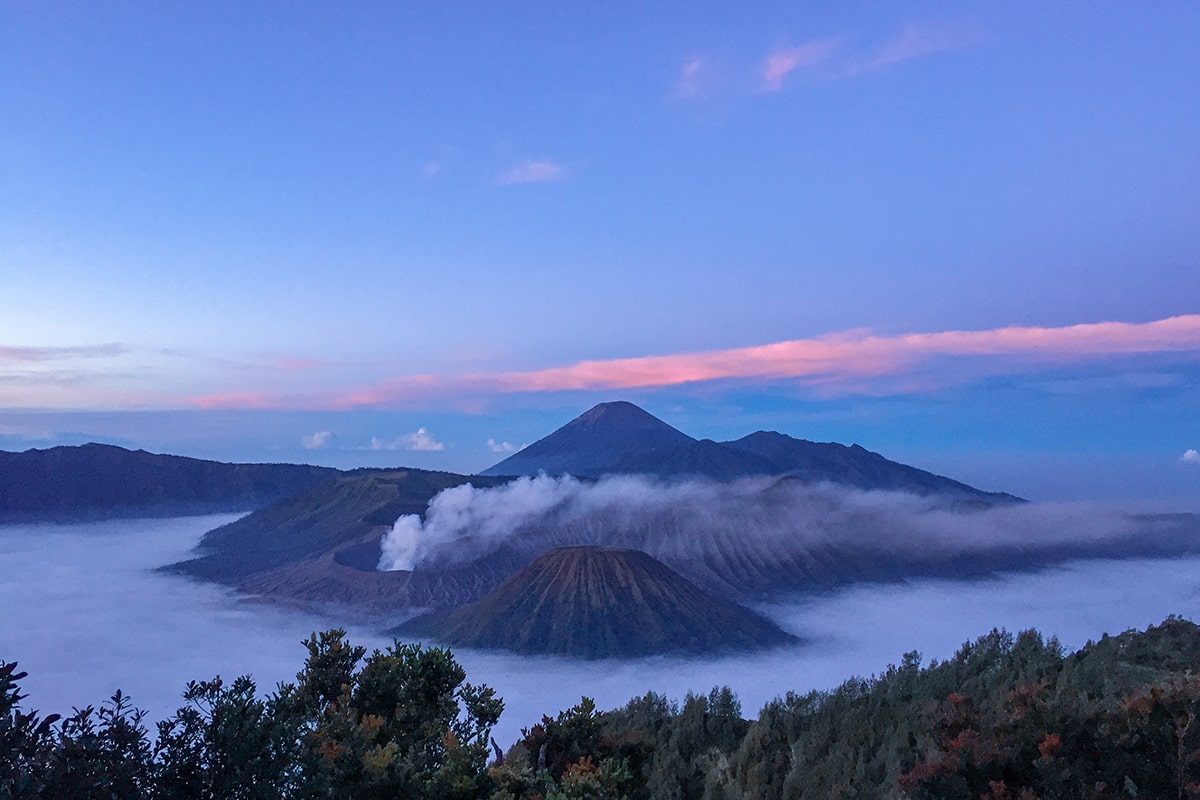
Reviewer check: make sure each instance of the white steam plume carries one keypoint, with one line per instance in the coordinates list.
(755, 521)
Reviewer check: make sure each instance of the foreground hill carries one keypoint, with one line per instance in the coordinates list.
(99, 480)
(601, 602)
(620, 438)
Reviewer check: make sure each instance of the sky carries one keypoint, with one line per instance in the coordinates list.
(965, 235)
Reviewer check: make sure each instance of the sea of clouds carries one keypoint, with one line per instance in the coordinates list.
(86, 615)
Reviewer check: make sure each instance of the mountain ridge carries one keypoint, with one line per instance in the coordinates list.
(96, 480)
(621, 438)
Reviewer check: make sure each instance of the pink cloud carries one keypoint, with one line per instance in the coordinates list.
(781, 63)
(238, 400)
(837, 360)
(533, 171)
(858, 354)
(850, 362)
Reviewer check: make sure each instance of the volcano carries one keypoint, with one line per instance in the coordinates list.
(594, 443)
(601, 602)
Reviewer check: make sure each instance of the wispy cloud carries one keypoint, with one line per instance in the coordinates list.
(420, 440)
(689, 83)
(315, 441)
(35, 355)
(431, 169)
(241, 400)
(1190, 457)
(533, 171)
(842, 357)
(507, 447)
(921, 40)
(780, 63)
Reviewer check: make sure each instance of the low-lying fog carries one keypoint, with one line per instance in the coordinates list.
(85, 615)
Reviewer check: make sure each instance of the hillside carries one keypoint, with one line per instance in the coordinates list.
(599, 602)
(99, 480)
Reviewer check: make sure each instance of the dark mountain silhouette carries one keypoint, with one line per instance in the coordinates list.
(594, 443)
(99, 480)
(620, 438)
(599, 602)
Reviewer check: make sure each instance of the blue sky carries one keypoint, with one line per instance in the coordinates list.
(227, 229)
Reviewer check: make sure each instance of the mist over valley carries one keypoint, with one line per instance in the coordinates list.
(95, 616)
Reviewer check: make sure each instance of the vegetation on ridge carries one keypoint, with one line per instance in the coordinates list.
(1006, 717)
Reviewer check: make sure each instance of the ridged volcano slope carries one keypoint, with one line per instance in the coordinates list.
(598, 602)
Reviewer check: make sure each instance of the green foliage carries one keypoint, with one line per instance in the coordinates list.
(404, 724)
(226, 743)
(407, 724)
(1006, 717)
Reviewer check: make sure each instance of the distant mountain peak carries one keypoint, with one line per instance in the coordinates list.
(596, 442)
(617, 412)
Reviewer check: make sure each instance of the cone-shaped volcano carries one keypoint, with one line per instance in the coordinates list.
(599, 602)
(594, 443)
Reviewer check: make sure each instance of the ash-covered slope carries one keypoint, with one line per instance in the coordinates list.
(599, 602)
(99, 480)
(594, 443)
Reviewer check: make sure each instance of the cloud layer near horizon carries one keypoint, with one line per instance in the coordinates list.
(845, 363)
(849, 362)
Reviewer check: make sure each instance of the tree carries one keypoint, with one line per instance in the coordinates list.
(101, 753)
(26, 742)
(407, 724)
(226, 744)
